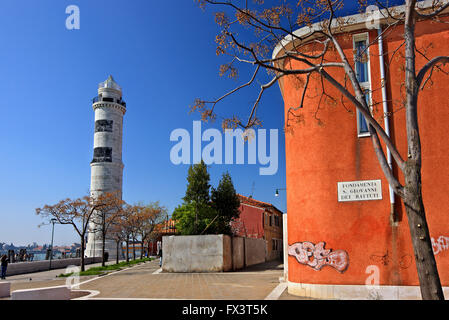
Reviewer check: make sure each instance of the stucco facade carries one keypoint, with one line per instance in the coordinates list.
(324, 147)
(261, 220)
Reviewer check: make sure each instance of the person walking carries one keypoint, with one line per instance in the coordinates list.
(4, 264)
(160, 260)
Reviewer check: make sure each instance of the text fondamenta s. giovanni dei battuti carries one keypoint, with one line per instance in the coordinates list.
(360, 190)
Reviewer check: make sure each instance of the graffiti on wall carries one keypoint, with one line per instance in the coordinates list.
(316, 256)
(404, 262)
(441, 244)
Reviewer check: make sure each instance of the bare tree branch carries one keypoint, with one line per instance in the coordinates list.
(430, 65)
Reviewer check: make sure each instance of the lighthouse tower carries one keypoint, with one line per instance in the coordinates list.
(106, 165)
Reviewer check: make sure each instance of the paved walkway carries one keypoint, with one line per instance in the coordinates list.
(44, 278)
(146, 281)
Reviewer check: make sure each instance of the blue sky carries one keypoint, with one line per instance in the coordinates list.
(162, 53)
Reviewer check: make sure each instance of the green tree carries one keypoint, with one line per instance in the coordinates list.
(186, 214)
(226, 203)
(197, 192)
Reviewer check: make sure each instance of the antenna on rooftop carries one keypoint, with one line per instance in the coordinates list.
(252, 189)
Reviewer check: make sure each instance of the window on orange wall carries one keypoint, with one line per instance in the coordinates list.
(362, 123)
(362, 69)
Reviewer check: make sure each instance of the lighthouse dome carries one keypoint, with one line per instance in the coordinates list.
(109, 83)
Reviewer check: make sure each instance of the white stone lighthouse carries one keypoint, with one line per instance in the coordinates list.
(106, 165)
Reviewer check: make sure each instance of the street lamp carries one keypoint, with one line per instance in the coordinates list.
(277, 191)
(53, 221)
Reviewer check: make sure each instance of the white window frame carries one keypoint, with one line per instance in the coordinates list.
(366, 86)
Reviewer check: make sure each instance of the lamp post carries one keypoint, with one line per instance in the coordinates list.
(276, 194)
(277, 191)
(284, 238)
(53, 221)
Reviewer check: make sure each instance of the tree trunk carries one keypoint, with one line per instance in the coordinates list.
(429, 279)
(116, 259)
(127, 248)
(141, 250)
(82, 253)
(134, 248)
(102, 251)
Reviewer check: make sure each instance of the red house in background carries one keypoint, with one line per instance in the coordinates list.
(166, 228)
(260, 220)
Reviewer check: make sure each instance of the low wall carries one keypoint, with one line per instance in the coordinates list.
(255, 251)
(5, 289)
(206, 253)
(51, 293)
(227, 253)
(238, 253)
(210, 253)
(44, 265)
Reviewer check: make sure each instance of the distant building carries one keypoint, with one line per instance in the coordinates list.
(166, 228)
(260, 220)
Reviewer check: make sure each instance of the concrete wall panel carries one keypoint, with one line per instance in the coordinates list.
(5, 289)
(227, 253)
(238, 254)
(193, 253)
(210, 253)
(51, 293)
(255, 251)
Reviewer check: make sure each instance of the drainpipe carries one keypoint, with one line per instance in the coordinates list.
(385, 110)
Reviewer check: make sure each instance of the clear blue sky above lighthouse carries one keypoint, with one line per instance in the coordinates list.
(162, 53)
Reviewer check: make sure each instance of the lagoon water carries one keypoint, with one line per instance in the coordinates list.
(41, 256)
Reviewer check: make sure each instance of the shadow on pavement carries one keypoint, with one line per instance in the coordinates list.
(275, 265)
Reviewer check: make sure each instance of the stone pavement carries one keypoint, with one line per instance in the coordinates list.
(146, 281)
(44, 278)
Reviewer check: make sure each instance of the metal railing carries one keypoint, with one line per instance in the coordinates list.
(98, 99)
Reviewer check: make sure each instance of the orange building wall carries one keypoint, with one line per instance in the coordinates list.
(320, 153)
